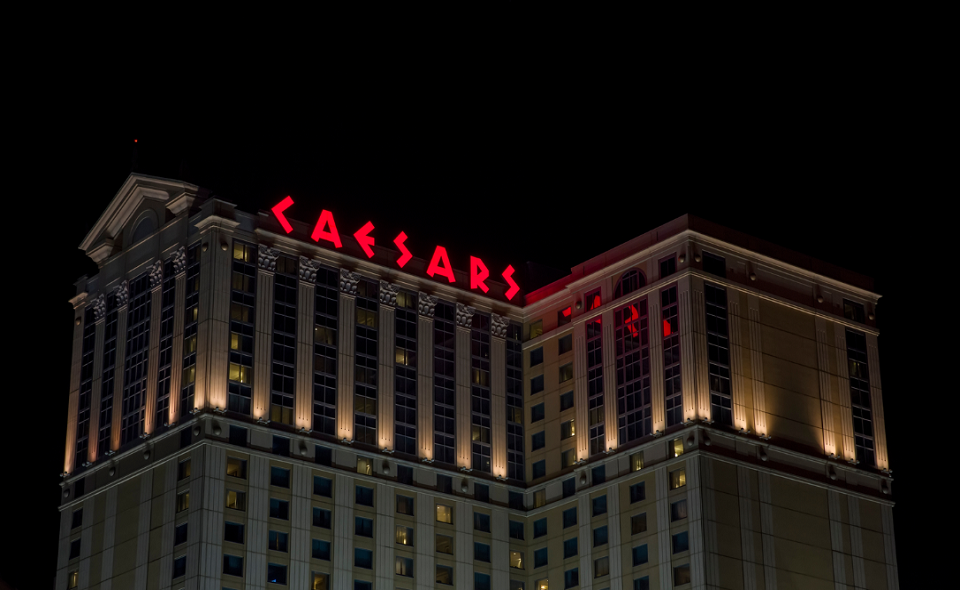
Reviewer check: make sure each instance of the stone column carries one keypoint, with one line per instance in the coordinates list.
(425, 307)
(153, 353)
(122, 294)
(846, 411)
(79, 306)
(303, 401)
(756, 366)
(176, 364)
(263, 330)
(581, 394)
(498, 399)
(386, 361)
(609, 357)
(346, 331)
(876, 403)
(463, 364)
(99, 313)
(213, 329)
(826, 394)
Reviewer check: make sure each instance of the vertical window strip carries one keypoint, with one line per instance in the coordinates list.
(108, 373)
(669, 310)
(859, 375)
(326, 312)
(515, 469)
(365, 368)
(165, 356)
(594, 329)
(135, 365)
(480, 392)
(634, 410)
(88, 345)
(284, 340)
(405, 374)
(718, 354)
(191, 303)
(243, 311)
(444, 383)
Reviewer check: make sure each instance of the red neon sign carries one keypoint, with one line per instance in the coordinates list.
(326, 229)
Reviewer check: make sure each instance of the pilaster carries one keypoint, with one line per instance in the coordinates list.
(306, 301)
(386, 360)
(766, 532)
(876, 403)
(74, 403)
(425, 308)
(846, 411)
(826, 395)
(263, 329)
(347, 326)
(498, 396)
(661, 479)
(122, 295)
(176, 364)
(153, 352)
(756, 365)
(463, 364)
(99, 314)
(213, 329)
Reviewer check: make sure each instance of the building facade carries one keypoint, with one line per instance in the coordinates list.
(252, 406)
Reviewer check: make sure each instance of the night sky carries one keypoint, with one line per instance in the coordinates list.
(510, 182)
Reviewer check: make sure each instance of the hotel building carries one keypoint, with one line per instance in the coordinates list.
(253, 406)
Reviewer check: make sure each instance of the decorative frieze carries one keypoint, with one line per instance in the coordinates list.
(498, 326)
(99, 307)
(348, 281)
(122, 294)
(267, 258)
(465, 315)
(180, 261)
(308, 269)
(388, 294)
(427, 304)
(156, 274)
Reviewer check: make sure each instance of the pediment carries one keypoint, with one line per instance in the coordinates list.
(107, 233)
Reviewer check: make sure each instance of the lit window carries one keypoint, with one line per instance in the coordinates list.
(564, 316)
(638, 523)
(516, 560)
(516, 585)
(566, 372)
(404, 567)
(676, 447)
(444, 544)
(681, 575)
(539, 498)
(73, 578)
(566, 430)
(236, 500)
(636, 461)
(183, 501)
(678, 479)
(321, 581)
(444, 514)
(183, 470)
(404, 535)
(536, 329)
(601, 567)
(543, 584)
(444, 575)
(236, 467)
(536, 356)
(364, 466)
(592, 299)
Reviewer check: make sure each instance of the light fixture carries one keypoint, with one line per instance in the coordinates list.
(145, 435)
(853, 461)
(219, 410)
(871, 317)
(696, 258)
(762, 453)
(580, 461)
(753, 276)
(833, 456)
(743, 431)
(65, 473)
(682, 259)
(658, 434)
(262, 420)
(688, 422)
(609, 450)
(85, 464)
(464, 486)
(819, 298)
(887, 471)
(223, 246)
(303, 430)
(425, 460)
(765, 437)
(466, 469)
(501, 478)
(583, 478)
(579, 304)
(195, 411)
(109, 453)
(387, 450)
(707, 421)
(346, 441)
(386, 467)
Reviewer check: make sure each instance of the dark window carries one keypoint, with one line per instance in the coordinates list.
(600, 536)
(363, 527)
(364, 496)
(639, 555)
(232, 532)
(481, 552)
(481, 492)
(445, 484)
(539, 469)
(283, 367)
(74, 549)
(629, 282)
(536, 356)
(279, 509)
(539, 528)
(536, 385)
(322, 486)
(87, 354)
(277, 574)
(444, 383)
(363, 558)
(565, 344)
(638, 523)
(516, 585)
(601, 567)
(361, 585)
(569, 517)
(108, 374)
(566, 401)
(444, 575)
(668, 266)
(595, 408)
(404, 567)
(569, 487)
(569, 547)
(718, 354)
(238, 436)
(404, 505)
(323, 455)
(592, 299)
(281, 446)
(481, 581)
(279, 477)
(599, 474)
(278, 541)
(325, 325)
(638, 492)
(516, 530)
(405, 374)
(514, 390)
(77, 519)
(564, 316)
(481, 522)
(321, 518)
(536, 413)
(634, 410)
(678, 510)
(540, 557)
(480, 393)
(859, 374)
(321, 550)
(600, 505)
(191, 304)
(444, 544)
(641, 583)
(538, 440)
(180, 566)
(669, 311)
(714, 264)
(681, 574)
(571, 578)
(680, 542)
(186, 438)
(133, 406)
(242, 315)
(404, 474)
(233, 565)
(853, 311)
(516, 500)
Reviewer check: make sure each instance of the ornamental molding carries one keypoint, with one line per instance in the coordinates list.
(348, 281)
(427, 304)
(498, 326)
(308, 269)
(180, 261)
(156, 274)
(99, 307)
(121, 294)
(267, 258)
(465, 315)
(388, 293)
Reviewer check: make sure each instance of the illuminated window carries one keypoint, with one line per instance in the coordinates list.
(571, 578)
(279, 509)
(236, 467)
(183, 501)
(366, 364)
(638, 523)
(678, 510)
(236, 500)
(539, 498)
(592, 299)
(676, 447)
(444, 544)
(564, 316)
(601, 567)
(363, 558)
(566, 372)
(515, 432)
(669, 311)
(536, 329)
(73, 579)
(321, 581)
(566, 401)
(277, 574)
(568, 458)
(638, 492)
(320, 550)
(444, 514)
(363, 527)
(279, 477)
(404, 567)
(191, 315)
(404, 535)
(678, 479)
(444, 575)
(180, 566)
(536, 356)
(444, 383)
(540, 558)
(853, 311)
(242, 315)
(516, 585)
(600, 537)
(565, 344)
(629, 282)
(277, 541)
(233, 565)
(668, 266)
(566, 430)
(681, 574)
(543, 584)
(516, 560)
(636, 461)
(539, 469)
(569, 547)
(364, 496)
(321, 517)
(404, 505)
(364, 465)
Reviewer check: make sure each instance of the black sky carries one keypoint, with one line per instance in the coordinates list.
(550, 177)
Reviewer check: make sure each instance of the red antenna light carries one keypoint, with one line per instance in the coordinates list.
(134, 141)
